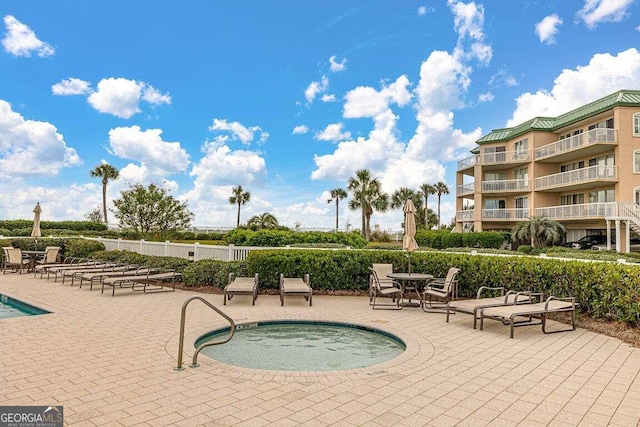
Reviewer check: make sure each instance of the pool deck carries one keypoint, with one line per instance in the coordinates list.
(110, 362)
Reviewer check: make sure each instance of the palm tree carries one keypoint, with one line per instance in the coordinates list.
(106, 172)
(337, 194)
(427, 190)
(367, 196)
(400, 197)
(540, 231)
(264, 220)
(239, 197)
(441, 188)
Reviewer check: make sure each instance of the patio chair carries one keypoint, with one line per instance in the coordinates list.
(13, 259)
(442, 289)
(50, 255)
(381, 270)
(241, 286)
(473, 306)
(290, 286)
(536, 313)
(392, 289)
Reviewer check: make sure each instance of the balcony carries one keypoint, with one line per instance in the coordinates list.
(506, 186)
(498, 160)
(464, 215)
(592, 176)
(592, 142)
(464, 189)
(515, 214)
(582, 211)
(467, 163)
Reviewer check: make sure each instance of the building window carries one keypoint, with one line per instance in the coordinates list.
(572, 199)
(495, 154)
(636, 124)
(572, 166)
(495, 176)
(522, 145)
(495, 204)
(602, 196)
(636, 161)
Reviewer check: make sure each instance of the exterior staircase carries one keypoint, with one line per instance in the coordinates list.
(628, 211)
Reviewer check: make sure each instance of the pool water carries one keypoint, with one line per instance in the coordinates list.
(11, 307)
(303, 346)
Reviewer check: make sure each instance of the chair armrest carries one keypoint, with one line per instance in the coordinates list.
(487, 288)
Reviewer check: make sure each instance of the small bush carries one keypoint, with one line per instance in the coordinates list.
(525, 249)
(208, 272)
(81, 248)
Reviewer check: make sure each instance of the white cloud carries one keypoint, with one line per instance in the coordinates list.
(365, 101)
(20, 40)
(333, 132)
(337, 66)
(316, 88)
(156, 157)
(422, 10)
(300, 130)
(71, 86)
(239, 131)
(154, 97)
(548, 28)
(486, 97)
(603, 75)
(370, 153)
(596, 11)
(121, 97)
(502, 78)
(30, 147)
(328, 98)
(468, 22)
(216, 173)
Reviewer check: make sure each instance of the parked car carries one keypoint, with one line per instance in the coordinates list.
(588, 241)
(634, 245)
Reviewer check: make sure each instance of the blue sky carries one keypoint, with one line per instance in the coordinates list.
(287, 99)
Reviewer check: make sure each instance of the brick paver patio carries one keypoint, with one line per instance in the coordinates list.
(109, 361)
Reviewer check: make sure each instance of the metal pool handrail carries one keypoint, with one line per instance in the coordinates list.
(194, 363)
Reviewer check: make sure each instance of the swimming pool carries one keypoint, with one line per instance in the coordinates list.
(303, 346)
(11, 307)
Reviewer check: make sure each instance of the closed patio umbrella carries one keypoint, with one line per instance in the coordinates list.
(408, 241)
(35, 233)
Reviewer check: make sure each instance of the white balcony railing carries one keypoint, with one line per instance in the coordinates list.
(577, 176)
(505, 185)
(581, 211)
(467, 163)
(594, 136)
(505, 157)
(464, 215)
(517, 214)
(464, 189)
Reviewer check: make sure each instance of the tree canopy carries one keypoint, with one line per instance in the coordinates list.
(151, 210)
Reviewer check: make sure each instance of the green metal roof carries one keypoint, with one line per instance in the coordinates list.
(620, 98)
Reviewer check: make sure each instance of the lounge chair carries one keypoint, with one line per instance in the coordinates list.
(536, 313)
(241, 286)
(473, 306)
(13, 259)
(70, 272)
(392, 289)
(42, 268)
(107, 269)
(443, 289)
(58, 269)
(153, 281)
(381, 270)
(290, 286)
(97, 276)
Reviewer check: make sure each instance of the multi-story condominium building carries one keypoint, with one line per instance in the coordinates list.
(581, 169)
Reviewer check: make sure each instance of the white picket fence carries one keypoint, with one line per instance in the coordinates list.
(191, 251)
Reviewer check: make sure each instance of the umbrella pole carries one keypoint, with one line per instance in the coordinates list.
(409, 256)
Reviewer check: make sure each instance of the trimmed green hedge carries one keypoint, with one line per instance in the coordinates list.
(603, 290)
(276, 238)
(17, 224)
(442, 239)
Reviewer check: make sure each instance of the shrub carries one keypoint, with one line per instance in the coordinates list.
(452, 240)
(212, 273)
(81, 248)
(526, 249)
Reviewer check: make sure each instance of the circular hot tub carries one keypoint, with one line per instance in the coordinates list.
(303, 346)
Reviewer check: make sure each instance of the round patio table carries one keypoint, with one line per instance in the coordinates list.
(406, 280)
